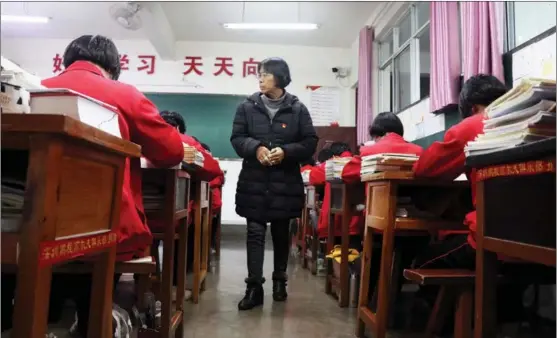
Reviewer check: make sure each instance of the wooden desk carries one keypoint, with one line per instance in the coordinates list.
(516, 218)
(344, 198)
(73, 174)
(202, 237)
(381, 205)
(170, 214)
(308, 232)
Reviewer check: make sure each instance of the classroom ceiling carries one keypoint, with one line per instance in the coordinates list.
(197, 21)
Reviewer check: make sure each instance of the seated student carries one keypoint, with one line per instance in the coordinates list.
(211, 168)
(387, 134)
(446, 160)
(317, 177)
(92, 67)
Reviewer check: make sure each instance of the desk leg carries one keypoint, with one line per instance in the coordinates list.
(181, 271)
(100, 313)
(344, 278)
(197, 245)
(364, 280)
(486, 294)
(330, 246)
(385, 273)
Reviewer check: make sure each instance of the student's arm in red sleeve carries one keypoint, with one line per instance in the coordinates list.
(317, 175)
(211, 166)
(443, 159)
(160, 142)
(351, 171)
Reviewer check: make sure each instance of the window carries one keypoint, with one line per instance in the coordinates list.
(526, 20)
(404, 60)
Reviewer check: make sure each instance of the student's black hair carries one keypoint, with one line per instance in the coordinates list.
(205, 146)
(339, 147)
(448, 109)
(310, 161)
(481, 89)
(386, 122)
(324, 155)
(279, 68)
(97, 49)
(174, 119)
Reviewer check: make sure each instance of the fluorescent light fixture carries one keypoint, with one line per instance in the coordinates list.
(24, 18)
(271, 26)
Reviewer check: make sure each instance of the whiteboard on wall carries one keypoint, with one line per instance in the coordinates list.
(536, 60)
(324, 104)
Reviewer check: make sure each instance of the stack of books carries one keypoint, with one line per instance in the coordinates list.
(305, 176)
(192, 156)
(334, 166)
(13, 194)
(525, 114)
(387, 162)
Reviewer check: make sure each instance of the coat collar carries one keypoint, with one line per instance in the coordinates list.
(84, 65)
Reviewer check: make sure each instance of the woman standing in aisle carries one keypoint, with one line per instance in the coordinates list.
(273, 133)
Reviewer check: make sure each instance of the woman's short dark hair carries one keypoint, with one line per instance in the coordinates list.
(386, 122)
(97, 49)
(279, 68)
(324, 155)
(481, 89)
(339, 147)
(174, 119)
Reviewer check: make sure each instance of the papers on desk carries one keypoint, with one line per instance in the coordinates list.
(334, 167)
(146, 164)
(525, 114)
(13, 194)
(78, 106)
(387, 162)
(305, 176)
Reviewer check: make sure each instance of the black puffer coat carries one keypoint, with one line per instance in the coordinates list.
(274, 192)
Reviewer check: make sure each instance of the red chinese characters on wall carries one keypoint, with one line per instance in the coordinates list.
(223, 65)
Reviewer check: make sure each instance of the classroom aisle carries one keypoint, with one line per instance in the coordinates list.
(307, 313)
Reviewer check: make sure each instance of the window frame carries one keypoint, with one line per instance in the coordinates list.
(413, 44)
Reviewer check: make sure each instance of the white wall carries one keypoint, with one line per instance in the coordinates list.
(308, 65)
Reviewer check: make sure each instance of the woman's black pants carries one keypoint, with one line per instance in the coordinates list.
(280, 232)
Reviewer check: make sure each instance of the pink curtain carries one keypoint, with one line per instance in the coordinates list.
(482, 31)
(363, 115)
(445, 54)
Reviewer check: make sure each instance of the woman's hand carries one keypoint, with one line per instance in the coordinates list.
(277, 155)
(263, 155)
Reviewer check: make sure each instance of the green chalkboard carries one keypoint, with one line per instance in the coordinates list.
(208, 117)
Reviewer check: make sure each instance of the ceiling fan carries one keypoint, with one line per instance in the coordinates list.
(127, 15)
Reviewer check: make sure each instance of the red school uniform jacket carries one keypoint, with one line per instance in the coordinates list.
(216, 194)
(390, 143)
(140, 123)
(446, 160)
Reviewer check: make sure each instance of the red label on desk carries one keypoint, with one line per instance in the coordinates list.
(517, 169)
(52, 252)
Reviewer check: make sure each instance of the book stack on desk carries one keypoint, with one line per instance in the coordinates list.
(387, 162)
(334, 166)
(525, 114)
(192, 156)
(305, 176)
(13, 192)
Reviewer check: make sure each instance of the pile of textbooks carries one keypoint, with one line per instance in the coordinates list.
(524, 114)
(193, 156)
(387, 162)
(334, 167)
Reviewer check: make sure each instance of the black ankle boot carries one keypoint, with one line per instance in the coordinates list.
(279, 287)
(254, 296)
